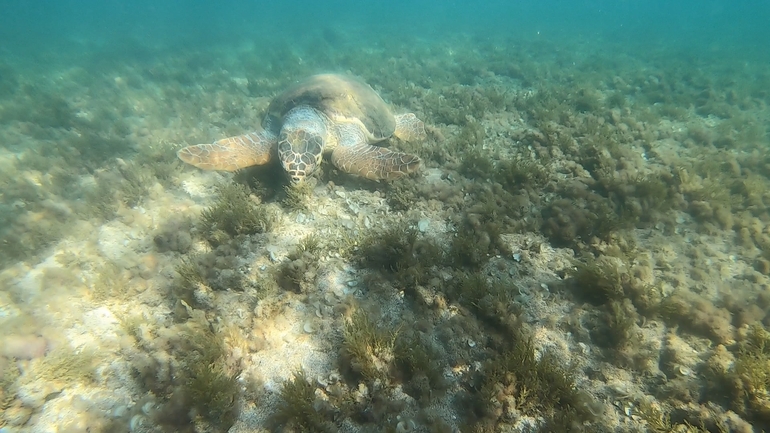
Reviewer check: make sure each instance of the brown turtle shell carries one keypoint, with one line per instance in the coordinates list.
(341, 97)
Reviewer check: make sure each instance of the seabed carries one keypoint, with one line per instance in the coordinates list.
(586, 248)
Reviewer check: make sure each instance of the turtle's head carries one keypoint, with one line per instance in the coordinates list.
(301, 142)
(300, 152)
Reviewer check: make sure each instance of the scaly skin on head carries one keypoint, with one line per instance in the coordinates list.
(301, 142)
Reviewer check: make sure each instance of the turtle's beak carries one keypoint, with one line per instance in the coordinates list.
(299, 166)
(297, 177)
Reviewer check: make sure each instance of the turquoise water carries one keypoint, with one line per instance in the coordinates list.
(78, 26)
(584, 247)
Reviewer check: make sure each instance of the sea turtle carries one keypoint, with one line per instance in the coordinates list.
(322, 113)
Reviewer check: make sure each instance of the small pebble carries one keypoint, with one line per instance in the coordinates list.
(148, 408)
(271, 252)
(120, 411)
(308, 328)
(136, 422)
(423, 225)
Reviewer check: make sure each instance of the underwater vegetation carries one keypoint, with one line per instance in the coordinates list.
(513, 173)
(514, 379)
(66, 365)
(374, 359)
(174, 235)
(391, 250)
(297, 195)
(515, 382)
(203, 391)
(599, 281)
(136, 183)
(490, 300)
(210, 387)
(26, 236)
(298, 272)
(659, 421)
(400, 252)
(31, 217)
(8, 389)
(190, 272)
(367, 349)
(746, 384)
(299, 407)
(200, 274)
(419, 366)
(234, 213)
(479, 227)
(110, 283)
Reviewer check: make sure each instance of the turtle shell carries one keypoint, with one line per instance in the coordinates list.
(342, 98)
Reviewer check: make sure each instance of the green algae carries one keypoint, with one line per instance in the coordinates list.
(749, 380)
(619, 323)
(599, 281)
(419, 366)
(213, 392)
(136, 183)
(110, 283)
(297, 195)
(515, 380)
(659, 421)
(490, 300)
(204, 390)
(298, 407)
(367, 348)
(298, 272)
(233, 214)
(66, 365)
(101, 202)
(390, 250)
(9, 374)
(190, 272)
(400, 252)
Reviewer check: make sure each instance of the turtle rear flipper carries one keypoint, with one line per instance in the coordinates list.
(409, 127)
(232, 153)
(374, 162)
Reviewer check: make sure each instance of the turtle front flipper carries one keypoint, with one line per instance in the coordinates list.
(232, 153)
(409, 127)
(374, 162)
